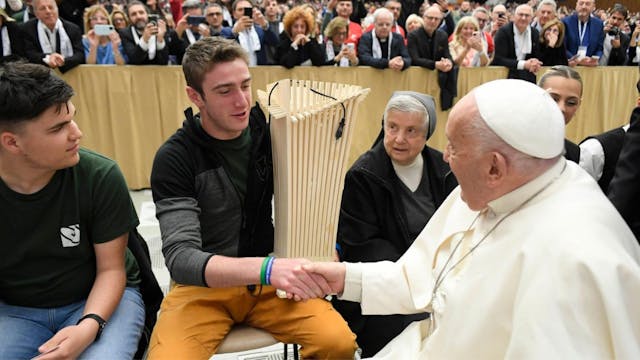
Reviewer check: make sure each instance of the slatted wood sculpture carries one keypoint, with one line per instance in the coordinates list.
(312, 126)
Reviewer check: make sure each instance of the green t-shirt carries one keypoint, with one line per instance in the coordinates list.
(47, 238)
(235, 154)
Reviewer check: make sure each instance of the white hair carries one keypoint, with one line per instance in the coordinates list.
(381, 11)
(548, 2)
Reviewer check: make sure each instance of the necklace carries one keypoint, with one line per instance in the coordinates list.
(442, 275)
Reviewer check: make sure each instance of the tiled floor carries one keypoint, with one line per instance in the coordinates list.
(150, 230)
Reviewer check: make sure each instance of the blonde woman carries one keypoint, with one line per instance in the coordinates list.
(337, 51)
(101, 49)
(119, 19)
(466, 47)
(414, 22)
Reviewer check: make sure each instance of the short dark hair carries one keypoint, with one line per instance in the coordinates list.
(28, 90)
(619, 8)
(234, 5)
(205, 54)
(136, 2)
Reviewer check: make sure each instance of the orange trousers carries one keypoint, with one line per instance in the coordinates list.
(193, 321)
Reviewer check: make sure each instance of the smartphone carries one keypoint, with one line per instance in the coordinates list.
(248, 12)
(351, 46)
(153, 19)
(102, 30)
(195, 20)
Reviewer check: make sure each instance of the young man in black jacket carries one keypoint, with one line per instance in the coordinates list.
(212, 184)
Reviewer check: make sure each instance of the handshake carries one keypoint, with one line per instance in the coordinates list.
(301, 279)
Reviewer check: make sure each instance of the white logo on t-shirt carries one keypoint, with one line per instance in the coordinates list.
(70, 235)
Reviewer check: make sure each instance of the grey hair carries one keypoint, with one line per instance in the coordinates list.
(548, 2)
(482, 10)
(415, 17)
(34, 4)
(407, 104)
(381, 11)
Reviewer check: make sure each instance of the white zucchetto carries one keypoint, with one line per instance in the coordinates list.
(523, 115)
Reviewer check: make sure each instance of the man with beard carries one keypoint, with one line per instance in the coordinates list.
(144, 42)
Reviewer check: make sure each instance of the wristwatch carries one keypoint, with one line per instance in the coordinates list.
(101, 323)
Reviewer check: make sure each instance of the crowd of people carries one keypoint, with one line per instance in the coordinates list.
(288, 33)
(512, 242)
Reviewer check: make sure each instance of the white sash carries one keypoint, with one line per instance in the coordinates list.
(375, 46)
(250, 41)
(151, 45)
(47, 39)
(522, 42)
(6, 43)
(329, 50)
(190, 36)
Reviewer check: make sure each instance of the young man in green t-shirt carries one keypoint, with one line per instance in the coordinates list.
(67, 289)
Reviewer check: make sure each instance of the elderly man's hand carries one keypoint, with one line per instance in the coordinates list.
(588, 61)
(56, 60)
(332, 272)
(444, 65)
(533, 65)
(396, 63)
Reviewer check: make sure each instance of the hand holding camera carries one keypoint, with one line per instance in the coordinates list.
(475, 42)
(114, 37)
(245, 22)
(103, 30)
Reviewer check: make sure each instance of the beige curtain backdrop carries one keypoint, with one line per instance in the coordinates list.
(127, 112)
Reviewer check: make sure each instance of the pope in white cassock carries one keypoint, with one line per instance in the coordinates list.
(526, 259)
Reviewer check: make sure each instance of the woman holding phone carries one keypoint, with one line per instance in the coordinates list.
(337, 51)
(298, 42)
(466, 47)
(101, 42)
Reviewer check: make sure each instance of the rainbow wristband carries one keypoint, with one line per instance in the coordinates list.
(267, 277)
(263, 270)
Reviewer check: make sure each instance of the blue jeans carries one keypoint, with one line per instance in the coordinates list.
(24, 329)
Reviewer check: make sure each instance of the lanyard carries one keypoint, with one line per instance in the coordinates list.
(582, 30)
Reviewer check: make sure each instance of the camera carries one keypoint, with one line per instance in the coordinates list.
(195, 20)
(614, 31)
(502, 15)
(102, 30)
(153, 19)
(248, 12)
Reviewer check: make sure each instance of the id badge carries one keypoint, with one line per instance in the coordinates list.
(582, 52)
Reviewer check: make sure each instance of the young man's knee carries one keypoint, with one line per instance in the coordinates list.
(335, 344)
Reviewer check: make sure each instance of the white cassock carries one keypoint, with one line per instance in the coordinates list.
(559, 278)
